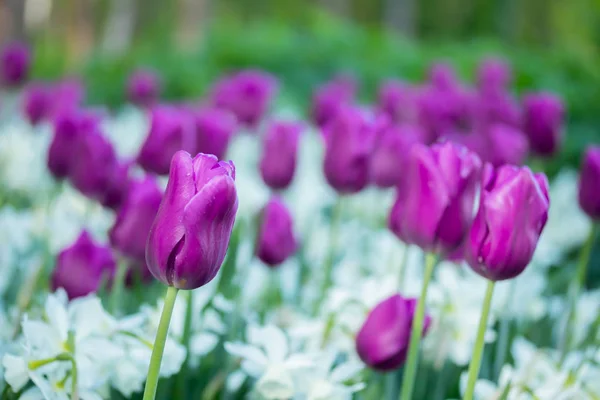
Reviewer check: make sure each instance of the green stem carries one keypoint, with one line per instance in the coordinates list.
(118, 285)
(584, 258)
(412, 361)
(74, 392)
(403, 265)
(502, 343)
(185, 341)
(159, 344)
(333, 238)
(479, 342)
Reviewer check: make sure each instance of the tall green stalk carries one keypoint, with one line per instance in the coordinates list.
(479, 342)
(412, 361)
(159, 344)
(333, 239)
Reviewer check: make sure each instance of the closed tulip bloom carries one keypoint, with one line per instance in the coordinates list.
(214, 129)
(389, 159)
(15, 64)
(434, 209)
(506, 145)
(543, 122)
(171, 130)
(493, 74)
(134, 219)
(190, 234)
(114, 193)
(513, 210)
(349, 141)
(397, 100)
(442, 76)
(276, 241)
(589, 191)
(68, 95)
(81, 268)
(143, 88)
(382, 342)
(37, 102)
(331, 97)
(280, 151)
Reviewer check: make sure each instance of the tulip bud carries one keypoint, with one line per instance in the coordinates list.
(506, 145)
(493, 75)
(15, 63)
(117, 186)
(68, 95)
(171, 129)
(331, 97)
(389, 159)
(544, 114)
(134, 219)
(513, 210)
(83, 267)
(434, 209)
(276, 241)
(442, 76)
(280, 149)
(397, 100)
(382, 342)
(143, 88)
(37, 102)
(214, 130)
(589, 191)
(190, 234)
(349, 140)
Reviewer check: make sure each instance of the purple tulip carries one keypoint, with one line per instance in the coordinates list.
(276, 241)
(397, 100)
(331, 97)
(543, 122)
(143, 88)
(442, 76)
(493, 75)
(190, 234)
(68, 95)
(37, 102)
(349, 138)
(114, 193)
(434, 209)
(280, 150)
(214, 129)
(248, 94)
(389, 159)
(488, 108)
(513, 210)
(382, 342)
(15, 63)
(589, 193)
(171, 130)
(134, 220)
(506, 145)
(81, 268)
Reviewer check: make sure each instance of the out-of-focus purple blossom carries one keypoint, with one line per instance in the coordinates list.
(14, 64)
(329, 98)
(506, 145)
(493, 75)
(37, 102)
(143, 88)
(543, 122)
(589, 186)
(398, 101)
(214, 129)
(280, 151)
(276, 240)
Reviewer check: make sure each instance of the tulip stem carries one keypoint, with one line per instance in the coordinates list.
(159, 344)
(584, 258)
(403, 265)
(479, 342)
(181, 383)
(117, 289)
(329, 261)
(412, 362)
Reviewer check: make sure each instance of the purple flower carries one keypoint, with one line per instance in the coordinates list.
(442, 76)
(171, 130)
(68, 96)
(506, 145)
(143, 88)
(247, 94)
(488, 108)
(37, 102)
(331, 97)
(276, 241)
(130, 232)
(214, 129)
(190, 235)
(398, 101)
(389, 159)
(83, 267)
(543, 122)
(114, 193)
(15, 63)
(493, 75)
(280, 150)
(349, 138)
(382, 342)
(434, 209)
(513, 210)
(589, 191)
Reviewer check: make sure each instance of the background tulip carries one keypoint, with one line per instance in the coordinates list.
(280, 151)
(506, 145)
(143, 88)
(214, 129)
(543, 122)
(513, 210)
(190, 234)
(589, 183)
(434, 209)
(276, 241)
(331, 97)
(493, 74)
(15, 64)
(382, 342)
(81, 268)
(37, 102)
(396, 99)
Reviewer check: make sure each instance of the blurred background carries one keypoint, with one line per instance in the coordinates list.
(551, 44)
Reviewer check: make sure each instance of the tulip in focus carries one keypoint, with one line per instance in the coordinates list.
(276, 241)
(589, 183)
(280, 151)
(81, 268)
(434, 209)
(171, 130)
(513, 210)
(349, 141)
(143, 88)
(382, 342)
(331, 97)
(14, 64)
(190, 234)
(543, 122)
(214, 129)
